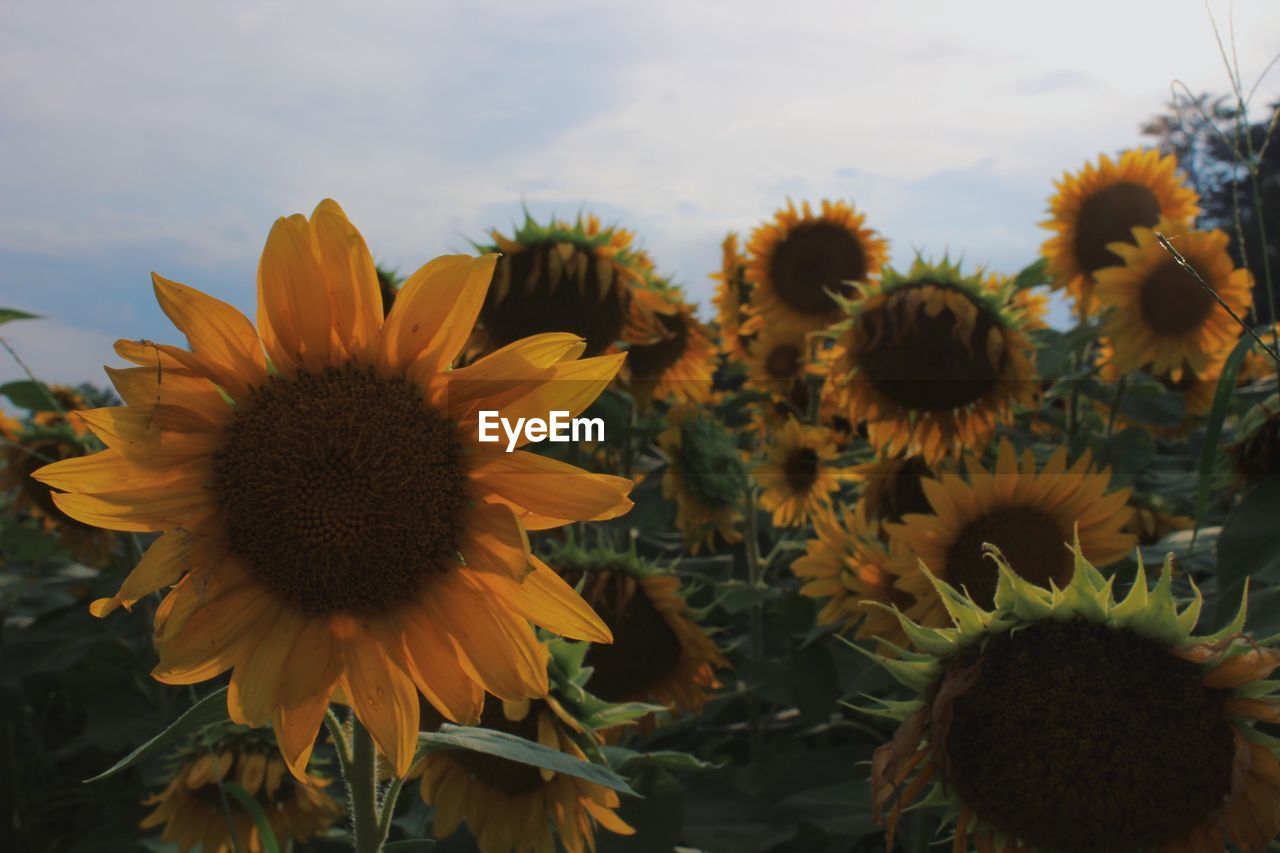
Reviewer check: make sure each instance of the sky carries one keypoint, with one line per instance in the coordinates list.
(168, 136)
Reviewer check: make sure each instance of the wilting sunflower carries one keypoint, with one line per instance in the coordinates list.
(677, 366)
(847, 564)
(1100, 205)
(796, 476)
(195, 814)
(1065, 720)
(511, 807)
(797, 261)
(659, 652)
(891, 487)
(557, 277)
(1161, 319)
(705, 476)
(932, 360)
(1028, 515)
(733, 293)
(331, 519)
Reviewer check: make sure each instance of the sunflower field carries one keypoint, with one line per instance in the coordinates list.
(869, 557)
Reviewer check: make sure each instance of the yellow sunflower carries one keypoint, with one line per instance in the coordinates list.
(1100, 205)
(511, 807)
(1063, 719)
(932, 361)
(705, 476)
(1161, 319)
(733, 293)
(847, 563)
(779, 365)
(678, 366)
(558, 277)
(891, 486)
(797, 261)
(796, 476)
(1196, 390)
(1030, 515)
(69, 400)
(191, 808)
(331, 520)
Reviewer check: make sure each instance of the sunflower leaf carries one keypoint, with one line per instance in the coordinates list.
(7, 314)
(211, 709)
(512, 748)
(1213, 427)
(266, 835)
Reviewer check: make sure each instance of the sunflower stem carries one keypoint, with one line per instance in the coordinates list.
(360, 774)
(755, 579)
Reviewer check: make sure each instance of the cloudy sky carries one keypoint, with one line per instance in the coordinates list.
(167, 136)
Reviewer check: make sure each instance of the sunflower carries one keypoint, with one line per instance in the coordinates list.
(733, 293)
(1029, 515)
(1064, 720)
(1256, 450)
(797, 261)
(69, 400)
(331, 520)
(511, 807)
(1161, 318)
(1151, 523)
(779, 366)
(558, 277)
(195, 814)
(847, 563)
(796, 476)
(1100, 206)
(705, 476)
(891, 487)
(1195, 390)
(678, 366)
(932, 360)
(1258, 364)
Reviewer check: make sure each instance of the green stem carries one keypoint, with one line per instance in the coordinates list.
(755, 579)
(389, 807)
(361, 776)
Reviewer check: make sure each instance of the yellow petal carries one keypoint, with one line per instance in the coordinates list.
(219, 335)
(351, 277)
(293, 299)
(383, 698)
(545, 599)
(165, 562)
(551, 488)
(422, 306)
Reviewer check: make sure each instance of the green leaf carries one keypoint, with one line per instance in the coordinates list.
(26, 394)
(512, 748)
(211, 709)
(1032, 275)
(735, 596)
(7, 314)
(629, 761)
(266, 835)
(1213, 427)
(1249, 545)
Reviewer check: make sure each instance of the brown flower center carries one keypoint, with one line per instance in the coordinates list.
(783, 362)
(649, 361)
(342, 490)
(1078, 736)
(1258, 456)
(1109, 216)
(801, 469)
(645, 649)
(1172, 302)
(1030, 540)
(920, 362)
(549, 294)
(813, 259)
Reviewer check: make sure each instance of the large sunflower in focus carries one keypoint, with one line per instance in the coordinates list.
(1064, 719)
(195, 815)
(511, 807)
(331, 519)
(1030, 515)
(797, 261)
(1100, 205)
(558, 277)
(705, 476)
(932, 361)
(1161, 319)
(733, 293)
(678, 365)
(796, 476)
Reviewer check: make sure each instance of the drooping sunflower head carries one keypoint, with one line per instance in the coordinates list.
(733, 294)
(323, 492)
(1028, 512)
(847, 564)
(1063, 719)
(678, 365)
(511, 807)
(706, 476)
(801, 261)
(1099, 206)
(798, 474)
(932, 360)
(1162, 319)
(194, 813)
(1256, 452)
(659, 652)
(559, 277)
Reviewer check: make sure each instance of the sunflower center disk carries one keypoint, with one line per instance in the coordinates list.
(1076, 736)
(1172, 302)
(812, 260)
(919, 362)
(553, 295)
(1030, 540)
(1109, 216)
(342, 490)
(650, 361)
(644, 650)
(801, 469)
